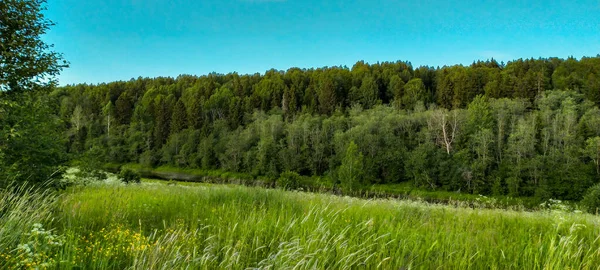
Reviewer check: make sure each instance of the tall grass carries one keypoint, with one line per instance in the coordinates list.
(155, 226)
(24, 209)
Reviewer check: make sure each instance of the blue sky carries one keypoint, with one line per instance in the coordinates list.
(108, 40)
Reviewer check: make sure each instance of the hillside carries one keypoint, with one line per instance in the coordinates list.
(524, 128)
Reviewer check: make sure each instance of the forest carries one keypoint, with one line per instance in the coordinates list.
(530, 127)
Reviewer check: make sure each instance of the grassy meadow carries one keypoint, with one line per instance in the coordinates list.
(404, 191)
(200, 226)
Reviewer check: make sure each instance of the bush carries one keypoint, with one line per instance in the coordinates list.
(289, 180)
(591, 200)
(129, 176)
(79, 176)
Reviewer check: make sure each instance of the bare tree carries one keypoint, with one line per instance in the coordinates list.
(445, 126)
(78, 118)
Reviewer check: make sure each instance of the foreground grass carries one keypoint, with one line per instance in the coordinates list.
(158, 226)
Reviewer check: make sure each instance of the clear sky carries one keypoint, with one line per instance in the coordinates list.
(108, 40)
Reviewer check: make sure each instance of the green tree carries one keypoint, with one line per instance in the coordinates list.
(123, 109)
(108, 112)
(520, 152)
(592, 151)
(367, 94)
(195, 114)
(350, 172)
(178, 119)
(591, 200)
(419, 166)
(327, 95)
(414, 91)
(479, 114)
(26, 61)
(31, 144)
(162, 116)
(289, 180)
(129, 176)
(78, 131)
(481, 143)
(396, 90)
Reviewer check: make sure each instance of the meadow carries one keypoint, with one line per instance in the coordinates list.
(201, 226)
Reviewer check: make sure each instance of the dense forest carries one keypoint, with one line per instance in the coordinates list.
(530, 127)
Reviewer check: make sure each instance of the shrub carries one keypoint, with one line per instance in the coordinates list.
(79, 175)
(129, 176)
(289, 180)
(591, 200)
(555, 205)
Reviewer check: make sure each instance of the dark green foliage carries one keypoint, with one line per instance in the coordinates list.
(31, 137)
(31, 144)
(591, 200)
(513, 129)
(123, 109)
(129, 176)
(289, 180)
(90, 163)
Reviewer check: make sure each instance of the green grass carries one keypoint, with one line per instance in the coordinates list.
(21, 210)
(199, 226)
(404, 190)
(407, 191)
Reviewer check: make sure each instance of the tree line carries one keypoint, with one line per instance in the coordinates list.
(530, 127)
